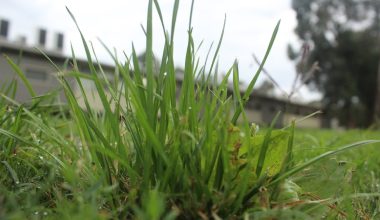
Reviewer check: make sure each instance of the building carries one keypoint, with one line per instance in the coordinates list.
(260, 108)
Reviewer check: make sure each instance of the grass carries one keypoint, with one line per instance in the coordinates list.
(350, 178)
(159, 151)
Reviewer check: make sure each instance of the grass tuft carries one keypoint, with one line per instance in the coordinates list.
(157, 149)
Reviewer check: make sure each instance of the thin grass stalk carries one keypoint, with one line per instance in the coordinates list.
(256, 76)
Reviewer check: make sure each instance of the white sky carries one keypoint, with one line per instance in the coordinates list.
(117, 22)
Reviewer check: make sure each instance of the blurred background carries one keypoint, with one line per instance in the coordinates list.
(327, 52)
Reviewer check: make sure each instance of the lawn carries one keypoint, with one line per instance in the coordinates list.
(148, 155)
(351, 177)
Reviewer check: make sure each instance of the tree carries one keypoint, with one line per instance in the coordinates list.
(344, 37)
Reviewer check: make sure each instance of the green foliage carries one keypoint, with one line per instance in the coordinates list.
(146, 155)
(341, 177)
(348, 56)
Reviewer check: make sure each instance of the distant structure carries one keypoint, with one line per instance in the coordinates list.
(260, 108)
(4, 27)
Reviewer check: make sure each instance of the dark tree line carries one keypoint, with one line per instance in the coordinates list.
(344, 37)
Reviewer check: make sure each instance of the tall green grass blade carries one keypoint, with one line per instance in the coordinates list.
(265, 145)
(102, 95)
(12, 172)
(217, 49)
(257, 74)
(138, 77)
(78, 77)
(22, 76)
(149, 65)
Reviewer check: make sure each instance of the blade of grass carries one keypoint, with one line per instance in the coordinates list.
(12, 172)
(249, 89)
(22, 76)
(265, 145)
(149, 65)
(310, 162)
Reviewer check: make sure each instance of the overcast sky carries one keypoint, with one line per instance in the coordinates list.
(117, 22)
